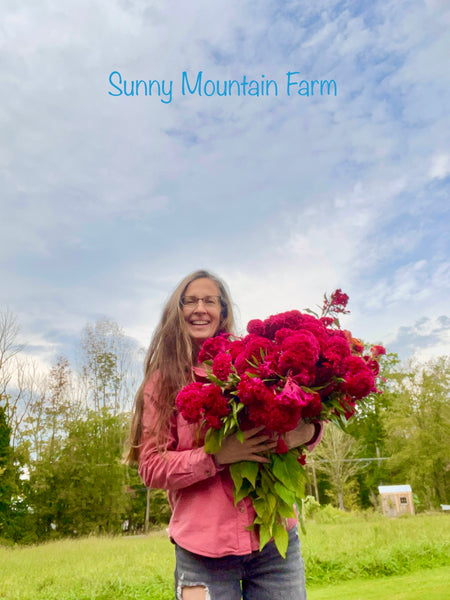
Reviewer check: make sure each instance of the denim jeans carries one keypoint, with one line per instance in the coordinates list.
(261, 575)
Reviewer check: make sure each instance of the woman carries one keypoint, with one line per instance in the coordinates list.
(217, 555)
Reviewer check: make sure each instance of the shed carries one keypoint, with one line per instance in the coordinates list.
(396, 500)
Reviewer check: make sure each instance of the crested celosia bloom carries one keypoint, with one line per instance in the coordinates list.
(222, 366)
(197, 400)
(359, 379)
(377, 351)
(292, 366)
(212, 347)
(189, 402)
(339, 299)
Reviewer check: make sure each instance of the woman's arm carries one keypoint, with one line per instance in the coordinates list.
(169, 469)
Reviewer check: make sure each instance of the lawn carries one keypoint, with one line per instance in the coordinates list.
(365, 557)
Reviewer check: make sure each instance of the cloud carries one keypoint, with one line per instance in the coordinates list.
(440, 166)
(110, 201)
(423, 340)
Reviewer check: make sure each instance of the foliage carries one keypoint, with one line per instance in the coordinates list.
(7, 478)
(79, 482)
(371, 429)
(333, 457)
(62, 434)
(419, 425)
(141, 568)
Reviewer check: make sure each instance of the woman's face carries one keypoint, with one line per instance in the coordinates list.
(202, 317)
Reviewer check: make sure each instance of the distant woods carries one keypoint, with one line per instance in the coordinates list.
(62, 435)
(63, 428)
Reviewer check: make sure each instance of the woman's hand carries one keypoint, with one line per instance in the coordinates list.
(233, 450)
(302, 434)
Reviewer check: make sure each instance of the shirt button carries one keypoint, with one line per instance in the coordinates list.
(208, 473)
(241, 509)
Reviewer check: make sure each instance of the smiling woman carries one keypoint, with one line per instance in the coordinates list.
(211, 533)
(201, 309)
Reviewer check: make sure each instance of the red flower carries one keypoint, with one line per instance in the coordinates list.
(299, 351)
(359, 379)
(377, 351)
(287, 408)
(336, 353)
(252, 390)
(290, 320)
(255, 349)
(372, 364)
(256, 326)
(189, 402)
(212, 346)
(197, 400)
(314, 406)
(302, 459)
(215, 405)
(281, 447)
(339, 299)
(222, 366)
(327, 321)
(236, 347)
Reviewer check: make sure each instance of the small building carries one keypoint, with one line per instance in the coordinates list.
(396, 500)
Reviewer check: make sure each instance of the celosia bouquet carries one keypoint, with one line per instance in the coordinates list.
(289, 367)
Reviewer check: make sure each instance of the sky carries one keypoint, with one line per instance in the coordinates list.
(108, 200)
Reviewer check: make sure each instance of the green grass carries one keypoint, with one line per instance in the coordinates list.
(373, 546)
(348, 557)
(431, 584)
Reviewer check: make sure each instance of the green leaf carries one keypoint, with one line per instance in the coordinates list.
(271, 502)
(302, 523)
(281, 538)
(286, 511)
(265, 534)
(281, 472)
(340, 421)
(243, 492)
(213, 440)
(286, 495)
(236, 476)
(260, 506)
(311, 312)
(249, 470)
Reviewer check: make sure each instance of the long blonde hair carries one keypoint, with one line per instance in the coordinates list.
(172, 355)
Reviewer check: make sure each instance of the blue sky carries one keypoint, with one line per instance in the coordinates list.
(107, 202)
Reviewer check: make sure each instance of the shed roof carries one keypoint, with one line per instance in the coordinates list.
(394, 489)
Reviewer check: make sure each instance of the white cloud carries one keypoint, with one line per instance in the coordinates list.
(111, 200)
(440, 166)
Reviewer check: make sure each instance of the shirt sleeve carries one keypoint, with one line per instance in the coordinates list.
(318, 433)
(169, 468)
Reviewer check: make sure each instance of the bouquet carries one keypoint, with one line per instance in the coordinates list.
(290, 366)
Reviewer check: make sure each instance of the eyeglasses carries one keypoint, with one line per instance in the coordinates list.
(208, 301)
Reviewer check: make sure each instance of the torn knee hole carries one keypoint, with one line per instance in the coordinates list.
(194, 592)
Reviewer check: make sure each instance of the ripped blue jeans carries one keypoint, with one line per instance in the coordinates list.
(261, 575)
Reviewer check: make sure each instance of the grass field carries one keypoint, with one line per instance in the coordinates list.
(365, 557)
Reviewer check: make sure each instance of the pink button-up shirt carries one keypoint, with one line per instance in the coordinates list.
(204, 518)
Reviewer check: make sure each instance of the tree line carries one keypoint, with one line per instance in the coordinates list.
(63, 429)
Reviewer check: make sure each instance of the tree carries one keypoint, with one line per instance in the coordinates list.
(419, 432)
(371, 429)
(334, 457)
(80, 486)
(7, 483)
(107, 364)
